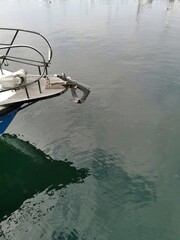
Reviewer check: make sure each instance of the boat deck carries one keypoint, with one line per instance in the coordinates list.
(32, 92)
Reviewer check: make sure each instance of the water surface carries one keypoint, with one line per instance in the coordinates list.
(115, 158)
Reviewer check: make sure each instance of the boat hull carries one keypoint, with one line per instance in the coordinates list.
(6, 117)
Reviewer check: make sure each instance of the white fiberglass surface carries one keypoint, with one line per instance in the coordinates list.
(7, 94)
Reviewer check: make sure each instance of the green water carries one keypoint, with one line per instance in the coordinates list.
(108, 169)
(31, 172)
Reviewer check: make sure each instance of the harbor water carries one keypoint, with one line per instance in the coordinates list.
(108, 169)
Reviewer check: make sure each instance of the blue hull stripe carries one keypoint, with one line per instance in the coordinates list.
(6, 120)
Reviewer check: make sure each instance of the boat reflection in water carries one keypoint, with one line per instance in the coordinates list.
(30, 182)
(141, 4)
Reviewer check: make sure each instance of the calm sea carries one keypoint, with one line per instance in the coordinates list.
(108, 169)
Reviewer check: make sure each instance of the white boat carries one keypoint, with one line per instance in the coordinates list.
(24, 78)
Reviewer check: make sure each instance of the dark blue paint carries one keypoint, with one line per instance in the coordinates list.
(6, 120)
